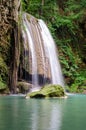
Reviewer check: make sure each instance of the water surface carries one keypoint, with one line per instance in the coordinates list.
(18, 113)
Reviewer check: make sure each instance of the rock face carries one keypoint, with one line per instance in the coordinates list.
(15, 40)
(9, 38)
(48, 91)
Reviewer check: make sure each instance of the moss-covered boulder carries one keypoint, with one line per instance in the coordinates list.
(48, 91)
(23, 87)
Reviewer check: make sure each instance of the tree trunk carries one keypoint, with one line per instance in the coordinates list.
(42, 2)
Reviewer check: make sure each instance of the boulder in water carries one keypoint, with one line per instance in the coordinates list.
(23, 87)
(48, 91)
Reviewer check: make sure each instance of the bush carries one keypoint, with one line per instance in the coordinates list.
(3, 70)
(2, 84)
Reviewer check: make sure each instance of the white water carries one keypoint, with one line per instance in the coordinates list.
(32, 49)
(45, 63)
(50, 51)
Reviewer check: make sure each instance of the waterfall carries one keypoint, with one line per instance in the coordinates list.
(44, 66)
(50, 50)
(32, 49)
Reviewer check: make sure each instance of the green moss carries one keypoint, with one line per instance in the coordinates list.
(2, 85)
(48, 91)
(36, 95)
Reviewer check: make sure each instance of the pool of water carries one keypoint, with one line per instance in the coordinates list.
(18, 113)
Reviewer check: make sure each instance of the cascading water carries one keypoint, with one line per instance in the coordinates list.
(50, 50)
(30, 40)
(44, 66)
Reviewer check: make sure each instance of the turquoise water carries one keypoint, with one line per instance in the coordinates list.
(18, 113)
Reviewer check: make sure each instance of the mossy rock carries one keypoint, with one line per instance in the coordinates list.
(48, 91)
(23, 87)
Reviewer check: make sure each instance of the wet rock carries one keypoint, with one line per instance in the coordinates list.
(23, 87)
(48, 91)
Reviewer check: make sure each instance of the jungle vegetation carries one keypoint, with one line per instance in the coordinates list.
(66, 20)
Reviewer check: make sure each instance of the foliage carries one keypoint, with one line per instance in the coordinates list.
(2, 85)
(3, 70)
(40, 9)
(76, 5)
(80, 83)
(66, 23)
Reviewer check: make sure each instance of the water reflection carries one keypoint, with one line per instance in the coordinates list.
(33, 114)
(17, 113)
(46, 115)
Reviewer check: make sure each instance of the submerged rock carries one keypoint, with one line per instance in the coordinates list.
(48, 91)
